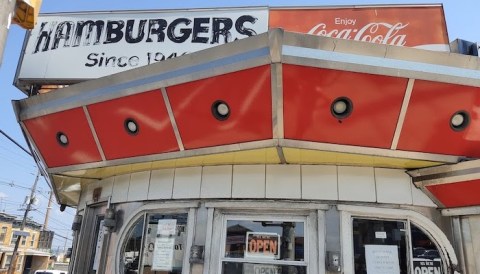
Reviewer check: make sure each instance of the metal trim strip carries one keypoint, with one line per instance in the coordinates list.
(448, 177)
(94, 133)
(170, 155)
(277, 100)
(461, 211)
(381, 65)
(403, 113)
(172, 119)
(368, 151)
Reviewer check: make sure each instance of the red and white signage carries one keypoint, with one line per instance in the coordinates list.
(71, 47)
(263, 245)
(409, 26)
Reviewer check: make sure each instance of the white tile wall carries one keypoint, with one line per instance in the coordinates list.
(394, 186)
(309, 182)
(421, 199)
(139, 183)
(186, 183)
(319, 182)
(121, 184)
(161, 184)
(248, 181)
(283, 181)
(356, 184)
(216, 182)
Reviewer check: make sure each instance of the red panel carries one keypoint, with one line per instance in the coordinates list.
(148, 109)
(81, 146)
(457, 194)
(248, 95)
(427, 123)
(309, 93)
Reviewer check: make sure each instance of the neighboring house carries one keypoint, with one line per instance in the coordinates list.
(34, 249)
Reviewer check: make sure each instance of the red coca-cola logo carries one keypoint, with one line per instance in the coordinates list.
(376, 32)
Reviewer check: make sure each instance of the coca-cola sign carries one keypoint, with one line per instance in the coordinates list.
(410, 26)
(381, 33)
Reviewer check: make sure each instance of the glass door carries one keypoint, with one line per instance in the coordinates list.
(393, 247)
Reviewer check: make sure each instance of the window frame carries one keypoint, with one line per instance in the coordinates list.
(3, 234)
(348, 213)
(261, 217)
(188, 208)
(314, 214)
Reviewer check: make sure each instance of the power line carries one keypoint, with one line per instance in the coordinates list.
(15, 142)
(15, 152)
(16, 185)
(52, 219)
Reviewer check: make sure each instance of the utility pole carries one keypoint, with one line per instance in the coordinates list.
(13, 261)
(6, 14)
(47, 214)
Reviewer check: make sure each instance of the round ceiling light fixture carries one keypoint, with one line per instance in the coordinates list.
(341, 107)
(220, 110)
(459, 120)
(131, 126)
(62, 139)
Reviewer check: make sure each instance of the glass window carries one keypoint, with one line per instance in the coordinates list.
(262, 246)
(7, 261)
(19, 262)
(158, 242)
(132, 248)
(14, 239)
(426, 257)
(32, 240)
(380, 246)
(379, 243)
(3, 233)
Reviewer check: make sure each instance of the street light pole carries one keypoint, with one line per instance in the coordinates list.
(13, 261)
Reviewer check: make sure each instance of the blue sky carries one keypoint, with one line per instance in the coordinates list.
(17, 170)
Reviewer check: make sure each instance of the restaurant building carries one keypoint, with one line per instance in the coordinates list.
(258, 140)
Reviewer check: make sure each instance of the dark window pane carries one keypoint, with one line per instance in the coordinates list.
(266, 239)
(249, 268)
(131, 248)
(379, 244)
(426, 258)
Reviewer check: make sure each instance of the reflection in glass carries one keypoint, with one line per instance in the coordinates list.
(426, 258)
(388, 237)
(163, 240)
(132, 246)
(251, 268)
(290, 244)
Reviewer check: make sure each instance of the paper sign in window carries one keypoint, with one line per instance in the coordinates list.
(382, 259)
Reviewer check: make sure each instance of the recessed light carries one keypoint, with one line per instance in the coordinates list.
(62, 139)
(131, 126)
(220, 110)
(459, 120)
(341, 107)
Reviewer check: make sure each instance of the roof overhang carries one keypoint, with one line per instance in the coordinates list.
(280, 88)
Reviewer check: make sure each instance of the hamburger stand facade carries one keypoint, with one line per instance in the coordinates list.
(258, 140)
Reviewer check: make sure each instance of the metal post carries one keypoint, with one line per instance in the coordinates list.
(13, 261)
(6, 11)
